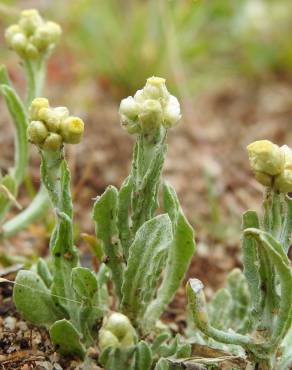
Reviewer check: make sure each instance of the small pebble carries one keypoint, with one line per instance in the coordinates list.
(22, 325)
(10, 323)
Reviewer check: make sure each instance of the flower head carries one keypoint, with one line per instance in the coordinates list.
(150, 108)
(50, 128)
(116, 331)
(272, 165)
(32, 36)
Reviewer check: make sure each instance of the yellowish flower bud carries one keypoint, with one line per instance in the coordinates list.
(37, 132)
(29, 21)
(31, 51)
(129, 107)
(72, 129)
(19, 43)
(283, 182)
(10, 32)
(150, 108)
(263, 178)
(150, 116)
(155, 89)
(47, 34)
(36, 105)
(116, 331)
(53, 117)
(287, 152)
(107, 339)
(171, 112)
(53, 142)
(266, 157)
(118, 324)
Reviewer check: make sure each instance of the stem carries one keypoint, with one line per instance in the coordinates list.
(56, 178)
(146, 171)
(35, 74)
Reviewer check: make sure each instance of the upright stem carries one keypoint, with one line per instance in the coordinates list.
(35, 74)
(146, 171)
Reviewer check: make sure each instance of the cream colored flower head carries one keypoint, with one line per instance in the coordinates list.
(272, 165)
(32, 36)
(50, 128)
(116, 331)
(150, 108)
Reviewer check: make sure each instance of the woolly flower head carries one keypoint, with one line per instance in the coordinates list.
(32, 36)
(116, 331)
(50, 128)
(271, 164)
(150, 108)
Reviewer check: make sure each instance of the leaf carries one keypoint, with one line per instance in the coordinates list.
(286, 233)
(286, 349)
(44, 272)
(144, 266)
(238, 288)
(197, 304)
(18, 114)
(33, 299)
(280, 261)
(9, 184)
(4, 77)
(180, 254)
(117, 358)
(143, 359)
(251, 262)
(84, 283)
(67, 339)
(124, 203)
(105, 218)
(219, 309)
(162, 364)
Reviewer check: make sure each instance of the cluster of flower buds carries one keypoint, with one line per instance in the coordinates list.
(271, 164)
(50, 127)
(32, 36)
(150, 108)
(116, 331)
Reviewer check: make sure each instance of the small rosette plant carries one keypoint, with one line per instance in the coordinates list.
(253, 315)
(68, 299)
(147, 253)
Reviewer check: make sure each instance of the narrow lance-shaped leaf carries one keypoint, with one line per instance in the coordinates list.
(180, 254)
(281, 263)
(143, 359)
(18, 114)
(105, 218)
(197, 303)
(124, 202)
(219, 309)
(144, 265)
(238, 287)
(8, 189)
(251, 261)
(286, 235)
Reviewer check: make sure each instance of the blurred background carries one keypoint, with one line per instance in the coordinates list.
(230, 64)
